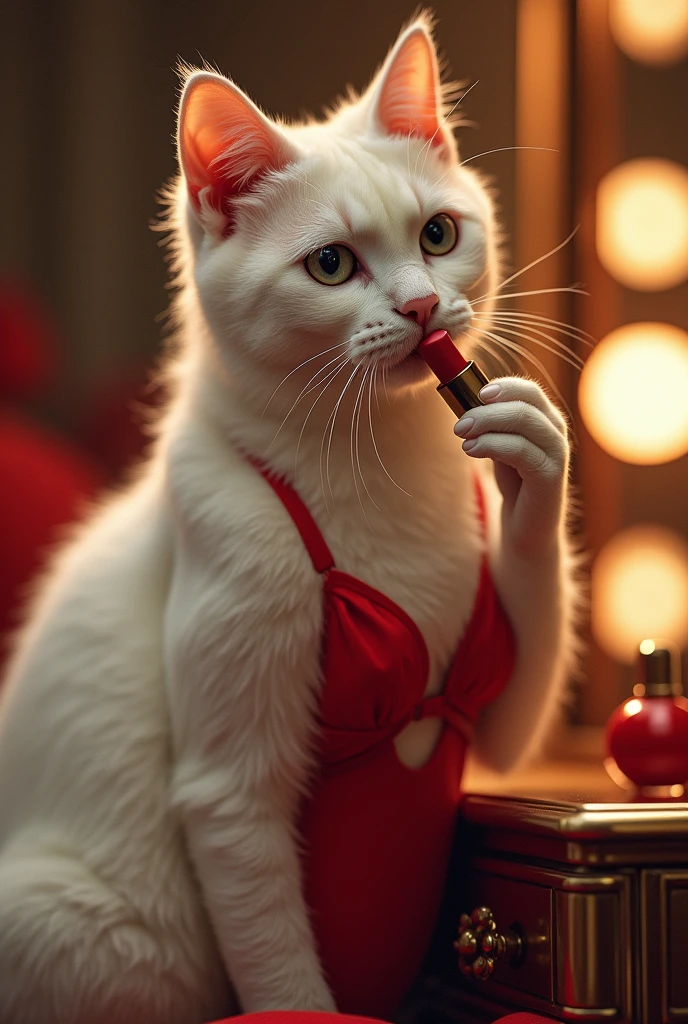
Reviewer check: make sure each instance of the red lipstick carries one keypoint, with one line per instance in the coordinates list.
(460, 380)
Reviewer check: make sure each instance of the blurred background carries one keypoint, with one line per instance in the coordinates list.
(580, 121)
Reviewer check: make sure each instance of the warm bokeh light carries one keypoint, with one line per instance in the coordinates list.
(640, 588)
(650, 31)
(647, 647)
(633, 393)
(642, 223)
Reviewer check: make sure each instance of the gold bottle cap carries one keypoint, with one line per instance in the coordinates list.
(659, 669)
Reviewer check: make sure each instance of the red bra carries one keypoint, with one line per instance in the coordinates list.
(377, 834)
(375, 660)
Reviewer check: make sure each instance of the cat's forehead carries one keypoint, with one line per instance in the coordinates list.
(359, 185)
(369, 190)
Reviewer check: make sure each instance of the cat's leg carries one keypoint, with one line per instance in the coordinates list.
(533, 563)
(242, 637)
(99, 909)
(73, 951)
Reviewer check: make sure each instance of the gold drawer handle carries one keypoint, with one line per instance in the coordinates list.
(480, 944)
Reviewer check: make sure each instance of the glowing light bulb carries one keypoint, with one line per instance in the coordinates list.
(633, 393)
(640, 589)
(650, 31)
(642, 223)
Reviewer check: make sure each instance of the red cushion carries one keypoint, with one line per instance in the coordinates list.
(525, 1017)
(45, 483)
(298, 1017)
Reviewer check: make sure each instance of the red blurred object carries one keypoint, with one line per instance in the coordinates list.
(28, 345)
(45, 480)
(305, 1017)
(113, 426)
(647, 736)
(45, 484)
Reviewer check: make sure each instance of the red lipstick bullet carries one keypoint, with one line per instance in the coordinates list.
(460, 380)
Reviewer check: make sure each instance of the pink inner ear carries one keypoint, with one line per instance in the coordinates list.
(200, 138)
(409, 94)
(225, 142)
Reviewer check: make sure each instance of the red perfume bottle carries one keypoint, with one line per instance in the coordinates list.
(647, 736)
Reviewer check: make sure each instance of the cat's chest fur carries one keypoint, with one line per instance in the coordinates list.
(422, 549)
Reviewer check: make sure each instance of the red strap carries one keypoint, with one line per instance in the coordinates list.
(440, 707)
(320, 554)
(481, 501)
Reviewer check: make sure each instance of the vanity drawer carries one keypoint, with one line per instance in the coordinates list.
(527, 910)
(595, 892)
(569, 938)
(664, 958)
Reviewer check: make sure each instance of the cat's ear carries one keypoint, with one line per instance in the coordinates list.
(406, 96)
(225, 145)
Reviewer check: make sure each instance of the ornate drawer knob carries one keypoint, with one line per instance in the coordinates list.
(480, 944)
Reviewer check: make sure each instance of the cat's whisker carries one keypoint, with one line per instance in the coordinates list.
(331, 375)
(535, 329)
(555, 325)
(498, 358)
(533, 332)
(357, 417)
(520, 331)
(354, 448)
(571, 289)
(304, 391)
(311, 387)
(342, 361)
(296, 368)
(426, 148)
(376, 389)
(322, 445)
(564, 355)
(534, 263)
(504, 149)
(372, 435)
(526, 354)
(331, 422)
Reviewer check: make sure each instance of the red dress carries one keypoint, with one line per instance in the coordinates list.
(377, 835)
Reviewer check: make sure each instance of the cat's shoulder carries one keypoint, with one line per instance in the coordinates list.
(224, 510)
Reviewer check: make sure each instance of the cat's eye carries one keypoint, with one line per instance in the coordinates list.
(439, 236)
(333, 264)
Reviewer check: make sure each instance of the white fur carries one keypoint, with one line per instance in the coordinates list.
(156, 724)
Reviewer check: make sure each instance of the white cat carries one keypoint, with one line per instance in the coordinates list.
(156, 727)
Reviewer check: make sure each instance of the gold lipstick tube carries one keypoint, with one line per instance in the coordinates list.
(461, 393)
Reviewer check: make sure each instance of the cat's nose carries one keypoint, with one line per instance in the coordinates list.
(420, 310)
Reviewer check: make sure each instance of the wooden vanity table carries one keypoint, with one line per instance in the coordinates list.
(576, 905)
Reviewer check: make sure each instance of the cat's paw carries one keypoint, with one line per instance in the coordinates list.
(526, 437)
(298, 989)
(312, 1002)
